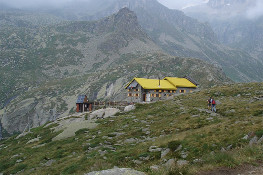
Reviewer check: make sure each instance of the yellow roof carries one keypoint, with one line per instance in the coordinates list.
(180, 82)
(153, 84)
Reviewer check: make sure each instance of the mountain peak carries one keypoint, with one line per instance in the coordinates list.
(126, 20)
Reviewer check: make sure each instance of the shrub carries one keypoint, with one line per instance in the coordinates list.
(81, 131)
(173, 145)
(259, 133)
(258, 113)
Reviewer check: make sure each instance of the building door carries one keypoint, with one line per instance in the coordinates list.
(148, 97)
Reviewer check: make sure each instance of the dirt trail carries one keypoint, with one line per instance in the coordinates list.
(241, 170)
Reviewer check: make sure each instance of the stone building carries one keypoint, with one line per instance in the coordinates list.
(148, 90)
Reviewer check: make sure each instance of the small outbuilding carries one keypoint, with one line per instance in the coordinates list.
(147, 90)
(82, 104)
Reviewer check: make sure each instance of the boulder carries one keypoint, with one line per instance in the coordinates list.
(49, 162)
(154, 167)
(260, 140)
(245, 137)
(117, 171)
(137, 162)
(131, 140)
(165, 152)
(181, 163)
(33, 140)
(253, 141)
(129, 108)
(155, 149)
(104, 113)
(170, 163)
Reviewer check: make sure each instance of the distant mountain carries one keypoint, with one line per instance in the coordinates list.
(227, 3)
(173, 31)
(45, 67)
(237, 24)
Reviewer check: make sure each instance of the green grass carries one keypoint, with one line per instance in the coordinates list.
(168, 124)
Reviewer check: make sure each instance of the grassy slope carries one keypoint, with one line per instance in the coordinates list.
(183, 119)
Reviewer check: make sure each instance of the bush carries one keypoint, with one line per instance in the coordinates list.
(259, 133)
(173, 145)
(258, 113)
(81, 131)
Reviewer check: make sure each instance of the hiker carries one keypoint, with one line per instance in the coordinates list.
(213, 105)
(209, 101)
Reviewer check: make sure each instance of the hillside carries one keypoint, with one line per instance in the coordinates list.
(56, 98)
(31, 55)
(45, 68)
(180, 130)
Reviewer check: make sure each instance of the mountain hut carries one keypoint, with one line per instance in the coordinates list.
(83, 105)
(147, 90)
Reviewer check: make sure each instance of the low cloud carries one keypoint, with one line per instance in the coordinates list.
(33, 3)
(255, 11)
(181, 4)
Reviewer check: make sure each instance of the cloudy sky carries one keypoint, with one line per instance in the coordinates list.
(180, 4)
(174, 4)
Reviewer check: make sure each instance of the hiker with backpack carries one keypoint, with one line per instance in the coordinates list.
(213, 102)
(209, 101)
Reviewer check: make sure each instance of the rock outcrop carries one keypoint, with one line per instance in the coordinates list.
(117, 171)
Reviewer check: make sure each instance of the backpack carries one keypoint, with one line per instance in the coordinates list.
(213, 102)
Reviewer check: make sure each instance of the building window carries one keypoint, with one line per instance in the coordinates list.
(160, 90)
(182, 91)
(171, 91)
(155, 90)
(136, 95)
(129, 90)
(136, 90)
(164, 90)
(159, 95)
(191, 91)
(130, 95)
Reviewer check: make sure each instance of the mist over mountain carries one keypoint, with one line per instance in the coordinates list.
(237, 23)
